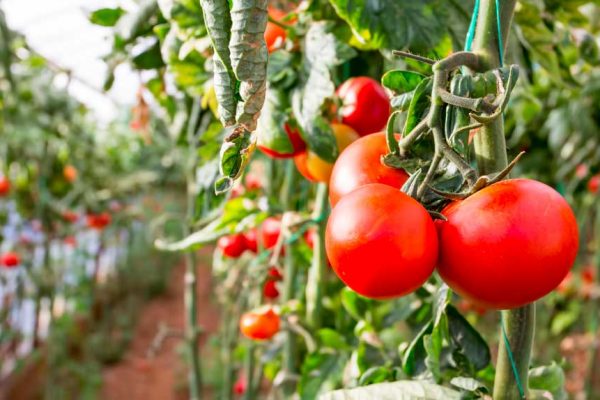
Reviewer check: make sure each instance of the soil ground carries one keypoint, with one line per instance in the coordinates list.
(163, 376)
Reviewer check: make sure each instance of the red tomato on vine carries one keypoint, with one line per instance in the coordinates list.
(251, 240)
(4, 186)
(507, 245)
(360, 164)
(260, 324)
(70, 216)
(365, 105)
(594, 184)
(274, 34)
(232, 245)
(381, 242)
(295, 141)
(10, 259)
(314, 168)
(99, 221)
(70, 173)
(270, 290)
(270, 231)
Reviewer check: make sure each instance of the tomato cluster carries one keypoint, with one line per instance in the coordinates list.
(233, 246)
(99, 221)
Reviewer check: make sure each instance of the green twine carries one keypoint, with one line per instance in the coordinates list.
(499, 28)
(512, 360)
(473, 25)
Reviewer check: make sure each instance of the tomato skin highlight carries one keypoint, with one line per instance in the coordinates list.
(260, 324)
(295, 139)
(381, 242)
(10, 259)
(508, 244)
(232, 246)
(360, 164)
(365, 105)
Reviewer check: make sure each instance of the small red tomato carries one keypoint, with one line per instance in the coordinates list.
(588, 274)
(566, 286)
(232, 245)
(270, 289)
(507, 245)
(240, 384)
(70, 173)
(237, 191)
(251, 240)
(465, 306)
(594, 184)
(260, 324)
(70, 241)
(581, 171)
(270, 230)
(70, 216)
(253, 182)
(295, 142)
(274, 274)
(311, 237)
(4, 186)
(99, 221)
(10, 259)
(360, 164)
(274, 34)
(381, 242)
(365, 105)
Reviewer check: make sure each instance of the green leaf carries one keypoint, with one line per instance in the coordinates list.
(467, 339)
(468, 384)
(354, 304)
(401, 390)
(413, 360)
(374, 375)
(208, 234)
(106, 16)
(393, 24)
(149, 57)
(235, 154)
(316, 369)
(330, 338)
(550, 378)
(418, 104)
(400, 81)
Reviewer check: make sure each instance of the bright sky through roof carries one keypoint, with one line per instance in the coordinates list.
(60, 31)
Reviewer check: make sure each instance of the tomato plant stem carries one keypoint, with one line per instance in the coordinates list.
(190, 294)
(314, 286)
(490, 151)
(289, 276)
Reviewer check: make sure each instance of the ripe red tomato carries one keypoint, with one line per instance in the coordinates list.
(270, 289)
(232, 245)
(253, 182)
(274, 34)
(295, 140)
(240, 384)
(360, 164)
(508, 244)
(70, 173)
(381, 242)
(274, 274)
(269, 232)
(588, 274)
(260, 324)
(10, 259)
(70, 216)
(4, 186)
(365, 105)
(311, 237)
(251, 240)
(594, 184)
(70, 241)
(98, 221)
(314, 168)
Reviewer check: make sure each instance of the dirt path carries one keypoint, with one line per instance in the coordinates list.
(162, 377)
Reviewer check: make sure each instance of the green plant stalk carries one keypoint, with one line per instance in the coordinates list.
(593, 381)
(192, 333)
(289, 281)
(249, 368)
(490, 151)
(316, 273)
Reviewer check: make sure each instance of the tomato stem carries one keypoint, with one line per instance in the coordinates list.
(289, 276)
(316, 274)
(490, 152)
